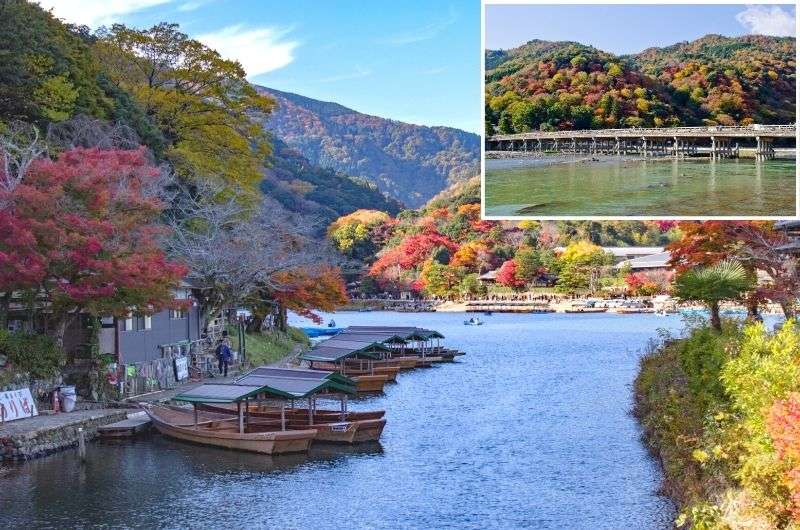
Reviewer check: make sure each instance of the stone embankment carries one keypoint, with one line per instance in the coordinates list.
(46, 434)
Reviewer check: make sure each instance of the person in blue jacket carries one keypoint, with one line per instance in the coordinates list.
(224, 356)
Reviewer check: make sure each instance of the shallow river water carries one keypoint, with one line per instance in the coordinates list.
(531, 429)
(614, 186)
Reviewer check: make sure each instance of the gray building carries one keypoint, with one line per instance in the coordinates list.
(141, 338)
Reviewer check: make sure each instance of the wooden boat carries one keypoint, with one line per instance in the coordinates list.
(221, 430)
(355, 427)
(369, 383)
(356, 369)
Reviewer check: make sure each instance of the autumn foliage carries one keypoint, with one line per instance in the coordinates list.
(783, 423)
(83, 229)
(308, 289)
(507, 275)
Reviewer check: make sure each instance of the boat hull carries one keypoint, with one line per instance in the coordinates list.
(369, 430)
(369, 383)
(357, 426)
(270, 443)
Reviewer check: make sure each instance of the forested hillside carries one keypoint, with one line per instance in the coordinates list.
(410, 163)
(714, 80)
(323, 194)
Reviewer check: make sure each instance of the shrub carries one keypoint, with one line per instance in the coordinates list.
(37, 355)
(702, 356)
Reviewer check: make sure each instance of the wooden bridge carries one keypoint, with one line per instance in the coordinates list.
(672, 141)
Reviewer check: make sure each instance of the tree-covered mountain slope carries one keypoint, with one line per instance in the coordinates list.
(411, 163)
(325, 194)
(714, 80)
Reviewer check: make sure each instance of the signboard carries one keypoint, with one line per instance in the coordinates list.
(181, 368)
(17, 404)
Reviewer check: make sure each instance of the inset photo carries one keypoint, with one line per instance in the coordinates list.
(668, 111)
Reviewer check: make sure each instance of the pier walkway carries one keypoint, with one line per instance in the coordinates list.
(666, 141)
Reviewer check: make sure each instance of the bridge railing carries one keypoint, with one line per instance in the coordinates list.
(743, 130)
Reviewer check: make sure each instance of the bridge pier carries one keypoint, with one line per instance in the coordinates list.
(764, 149)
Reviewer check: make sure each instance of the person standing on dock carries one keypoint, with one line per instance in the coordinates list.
(223, 356)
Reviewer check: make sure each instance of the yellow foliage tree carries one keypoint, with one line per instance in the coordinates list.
(208, 112)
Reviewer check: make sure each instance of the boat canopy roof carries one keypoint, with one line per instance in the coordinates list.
(333, 350)
(406, 332)
(385, 338)
(298, 382)
(220, 393)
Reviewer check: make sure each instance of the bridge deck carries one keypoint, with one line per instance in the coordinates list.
(751, 131)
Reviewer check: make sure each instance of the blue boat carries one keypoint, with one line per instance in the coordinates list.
(320, 332)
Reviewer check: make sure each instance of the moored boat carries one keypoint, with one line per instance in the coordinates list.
(222, 431)
(339, 426)
(331, 426)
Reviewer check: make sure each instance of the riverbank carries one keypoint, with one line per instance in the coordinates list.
(49, 433)
(706, 404)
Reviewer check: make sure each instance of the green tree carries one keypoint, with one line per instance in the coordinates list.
(441, 280)
(46, 69)
(470, 286)
(529, 264)
(205, 107)
(582, 117)
(522, 116)
(506, 124)
(726, 280)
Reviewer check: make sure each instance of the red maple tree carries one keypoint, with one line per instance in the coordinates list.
(81, 233)
(507, 275)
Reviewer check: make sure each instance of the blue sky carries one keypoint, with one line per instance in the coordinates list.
(416, 61)
(623, 29)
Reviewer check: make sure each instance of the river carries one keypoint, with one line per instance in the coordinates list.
(617, 186)
(531, 429)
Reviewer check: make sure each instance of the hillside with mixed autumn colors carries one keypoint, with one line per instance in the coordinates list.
(714, 80)
(442, 248)
(410, 163)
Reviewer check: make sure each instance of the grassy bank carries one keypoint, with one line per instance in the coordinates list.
(714, 411)
(270, 347)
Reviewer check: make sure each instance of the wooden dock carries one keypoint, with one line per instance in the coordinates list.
(126, 428)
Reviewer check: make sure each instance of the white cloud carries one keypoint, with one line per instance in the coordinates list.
(426, 32)
(95, 13)
(767, 20)
(357, 73)
(191, 5)
(260, 50)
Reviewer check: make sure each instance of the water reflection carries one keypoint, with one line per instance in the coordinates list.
(617, 186)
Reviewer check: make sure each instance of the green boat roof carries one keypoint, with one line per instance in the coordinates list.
(406, 332)
(221, 393)
(332, 350)
(297, 382)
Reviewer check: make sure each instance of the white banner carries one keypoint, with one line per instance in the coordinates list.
(17, 404)
(181, 368)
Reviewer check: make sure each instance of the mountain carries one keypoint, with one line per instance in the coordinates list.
(408, 162)
(713, 80)
(303, 187)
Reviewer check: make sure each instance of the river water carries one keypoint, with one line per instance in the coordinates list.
(617, 186)
(531, 429)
